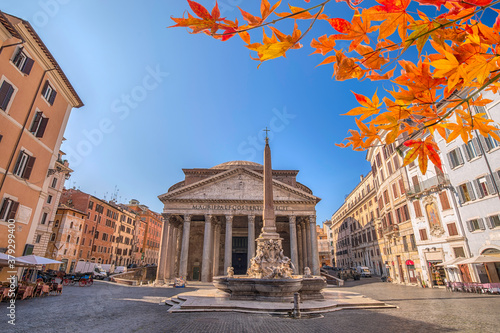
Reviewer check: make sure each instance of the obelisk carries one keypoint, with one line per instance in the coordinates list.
(269, 223)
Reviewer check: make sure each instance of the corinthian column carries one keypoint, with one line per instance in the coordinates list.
(300, 248)
(228, 245)
(251, 238)
(293, 244)
(207, 241)
(185, 247)
(314, 245)
(305, 255)
(216, 248)
(162, 262)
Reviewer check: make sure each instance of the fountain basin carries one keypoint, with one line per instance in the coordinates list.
(270, 290)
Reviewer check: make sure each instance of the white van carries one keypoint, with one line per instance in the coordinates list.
(364, 271)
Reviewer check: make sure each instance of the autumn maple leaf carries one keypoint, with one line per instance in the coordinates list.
(368, 107)
(424, 151)
(357, 30)
(394, 16)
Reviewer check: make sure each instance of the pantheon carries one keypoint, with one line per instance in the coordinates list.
(213, 216)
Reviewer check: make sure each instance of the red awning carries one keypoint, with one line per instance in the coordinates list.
(409, 263)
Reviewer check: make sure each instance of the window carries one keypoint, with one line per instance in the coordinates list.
(53, 237)
(389, 218)
(405, 244)
(401, 186)
(490, 142)
(91, 204)
(455, 158)
(395, 191)
(6, 91)
(423, 234)
(443, 197)
(475, 224)
(396, 163)
(389, 167)
(379, 161)
(418, 209)
(472, 149)
(44, 218)
(49, 199)
(24, 165)
(54, 182)
(466, 193)
(38, 237)
(452, 229)
(484, 186)
(493, 221)
(416, 184)
(39, 124)
(49, 93)
(9, 209)
(386, 197)
(22, 61)
(412, 242)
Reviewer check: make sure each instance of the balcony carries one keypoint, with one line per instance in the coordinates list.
(435, 183)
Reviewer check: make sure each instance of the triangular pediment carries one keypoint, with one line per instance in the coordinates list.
(237, 184)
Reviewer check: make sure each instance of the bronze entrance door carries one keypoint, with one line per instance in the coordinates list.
(240, 255)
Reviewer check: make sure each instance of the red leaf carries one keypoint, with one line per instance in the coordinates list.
(199, 10)
(340, 25)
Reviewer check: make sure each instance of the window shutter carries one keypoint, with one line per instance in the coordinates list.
(29, 167)
(469, 225)
(445, 203)
(17, 54)
(5, 203)
(496, 176)
(16, 166)
(482, 139)
(6, 91)
(52, 97)
(27, 66)
(450, 160)
(466, 152)
(45, 87)
(471, 191)
(477, 143)
(459, 156)
(479, 190)
(36, 121)
(13, 210)
(489, 220)
(480, 221)
(43, 125)
(490, 185)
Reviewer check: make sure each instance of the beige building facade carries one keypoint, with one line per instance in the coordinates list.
(214, 215)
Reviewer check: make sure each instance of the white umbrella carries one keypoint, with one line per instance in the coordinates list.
(480, 259)
(36, 260)
(4, 261)
(452, 262)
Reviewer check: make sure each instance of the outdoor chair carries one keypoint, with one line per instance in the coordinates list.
(20, 291)
(28, 292)
(5, 293)
(59, 289)
(38, 290)
(45, 290)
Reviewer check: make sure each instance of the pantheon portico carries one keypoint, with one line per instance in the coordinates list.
(213, 216)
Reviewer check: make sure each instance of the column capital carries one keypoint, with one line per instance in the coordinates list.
(292, 219)
(187, 218)
(166, 216)
(229, 218)
(251, 218)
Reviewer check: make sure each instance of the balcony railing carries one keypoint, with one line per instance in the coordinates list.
(436, 182)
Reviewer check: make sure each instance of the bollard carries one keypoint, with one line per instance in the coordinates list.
(296, 305)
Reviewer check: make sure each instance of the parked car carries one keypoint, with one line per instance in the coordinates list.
(120, 269)
(364, 271)
(348, 273)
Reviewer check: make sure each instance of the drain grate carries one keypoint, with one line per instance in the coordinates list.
(303, 316)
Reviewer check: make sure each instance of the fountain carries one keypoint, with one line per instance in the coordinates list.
(269, 277)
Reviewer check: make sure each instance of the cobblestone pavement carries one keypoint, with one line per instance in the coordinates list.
(105, 307)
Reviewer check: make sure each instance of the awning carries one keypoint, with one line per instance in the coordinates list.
(452, 262)
(4, 261)
(480, 259)
(36, 260)
(409, 262)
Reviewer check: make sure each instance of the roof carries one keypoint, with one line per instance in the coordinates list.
(49, 55)
(235, 164)
(5, 22)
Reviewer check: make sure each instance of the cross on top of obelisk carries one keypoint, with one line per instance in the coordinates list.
(267, 138)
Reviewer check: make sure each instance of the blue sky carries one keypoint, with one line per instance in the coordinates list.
(158, 100)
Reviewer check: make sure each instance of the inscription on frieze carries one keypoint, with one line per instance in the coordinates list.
(236, 207)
